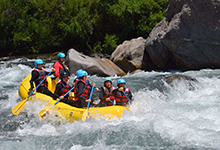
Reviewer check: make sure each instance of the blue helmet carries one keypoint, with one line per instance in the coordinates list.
(85, 73)
(82, 73)
(107, 79)
(78, 72)
(61, 55)
(37, 62)
(121, 81)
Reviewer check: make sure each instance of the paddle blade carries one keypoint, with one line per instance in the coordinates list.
(85, 115)
(17, 109)
(43, 113)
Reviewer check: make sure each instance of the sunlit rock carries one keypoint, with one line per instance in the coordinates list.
(94, 66)
(128, 56)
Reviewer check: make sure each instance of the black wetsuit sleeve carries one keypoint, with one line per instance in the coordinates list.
(34, 76)
(101, 95)
(58, 90)
(80, 91)
(114, 92)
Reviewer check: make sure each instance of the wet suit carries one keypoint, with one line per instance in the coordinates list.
(43, 87)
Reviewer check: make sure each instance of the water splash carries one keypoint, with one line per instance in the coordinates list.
(182, 114)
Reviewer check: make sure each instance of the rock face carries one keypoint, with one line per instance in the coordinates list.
(188, 38)
(129, 55)
(101, 67)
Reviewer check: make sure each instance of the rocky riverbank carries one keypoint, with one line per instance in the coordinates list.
(188, 38)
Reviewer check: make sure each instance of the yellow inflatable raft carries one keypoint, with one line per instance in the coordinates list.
(64, 111)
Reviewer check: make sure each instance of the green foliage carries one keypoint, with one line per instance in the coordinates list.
(42, 26)
(110, 43)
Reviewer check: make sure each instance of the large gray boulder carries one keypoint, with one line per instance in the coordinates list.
(188, 38)
(129, 55)
(94, 66)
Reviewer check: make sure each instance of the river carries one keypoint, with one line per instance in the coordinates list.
(182, 115)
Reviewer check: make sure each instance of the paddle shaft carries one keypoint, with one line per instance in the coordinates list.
(126, 96)
(90, 97)
(110, 100)
(40, 83)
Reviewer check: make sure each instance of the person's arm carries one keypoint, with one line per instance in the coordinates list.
(130, 96)
(114, 92)
(101, 96)
(34, 76)
(58, 89)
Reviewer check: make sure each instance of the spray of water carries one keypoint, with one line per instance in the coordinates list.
(180, 114)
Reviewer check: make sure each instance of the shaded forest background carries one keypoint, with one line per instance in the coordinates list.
(89, 26)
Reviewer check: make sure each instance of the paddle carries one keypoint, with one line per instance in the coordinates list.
(42, 114)
(127, 96)
(112, 102)
(85, 114)
(17, 109)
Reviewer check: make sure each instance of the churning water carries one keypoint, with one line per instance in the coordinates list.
(166, 114)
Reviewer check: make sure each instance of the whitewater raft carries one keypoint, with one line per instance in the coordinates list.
(65, 112)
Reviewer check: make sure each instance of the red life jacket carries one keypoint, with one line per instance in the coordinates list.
(121, 99)
(65, 89)
(109, 94)
(86, 89)
(42, 75)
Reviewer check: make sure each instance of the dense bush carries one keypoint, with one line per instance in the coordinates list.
(92, 26)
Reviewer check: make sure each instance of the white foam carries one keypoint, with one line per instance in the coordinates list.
(178, 114)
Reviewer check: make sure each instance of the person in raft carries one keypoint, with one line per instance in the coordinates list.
(120, 97)
(37, 75)
(62, 88)
(59, 65)
(82, 90)
(106, 97)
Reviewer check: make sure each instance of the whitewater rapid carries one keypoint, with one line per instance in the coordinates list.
(182, 114)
